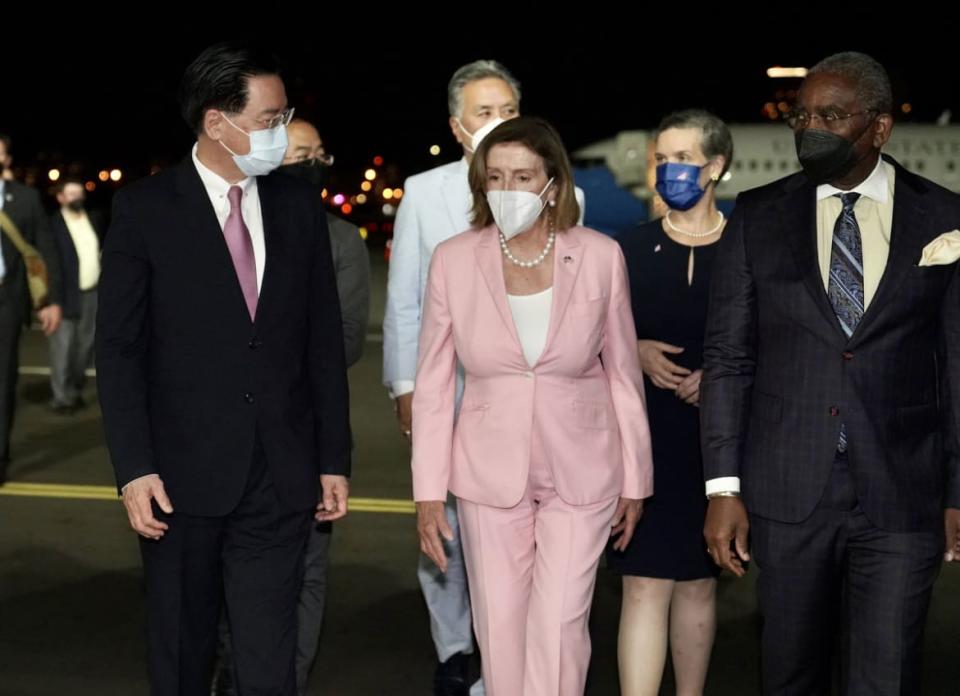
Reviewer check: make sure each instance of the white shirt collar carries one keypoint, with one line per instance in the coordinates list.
(215, 184)
(876, 186)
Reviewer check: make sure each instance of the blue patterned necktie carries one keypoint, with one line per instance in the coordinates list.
(845, 287)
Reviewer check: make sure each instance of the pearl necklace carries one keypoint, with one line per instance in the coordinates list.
(694, 235)
(527, 264)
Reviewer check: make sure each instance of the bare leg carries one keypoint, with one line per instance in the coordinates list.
(693, 623)
(642, 643)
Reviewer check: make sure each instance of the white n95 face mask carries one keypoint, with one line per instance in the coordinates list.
(482, 132)
(516, 211)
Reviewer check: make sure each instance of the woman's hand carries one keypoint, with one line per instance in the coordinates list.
(629, 511)
(431, 525)
(663, 372)
(689, 389)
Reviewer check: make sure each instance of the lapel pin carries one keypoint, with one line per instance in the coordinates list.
(567, 259)
(656, 249)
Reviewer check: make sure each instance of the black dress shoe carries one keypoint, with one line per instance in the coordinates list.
(450, 679)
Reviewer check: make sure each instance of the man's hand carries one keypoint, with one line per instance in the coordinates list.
(136, 499)
(662, 371)
(50, 317)
(431, 525)
(335, 490)
(951, 521)
(628, 513)
(727, 522)
(404, 408)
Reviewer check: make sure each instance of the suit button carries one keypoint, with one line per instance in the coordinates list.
(528, 374)
(834, 411)
(248, 397)
(253, 344)
(847, 355)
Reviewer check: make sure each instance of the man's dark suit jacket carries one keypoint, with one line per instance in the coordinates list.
(70, 262)
(780, 375)
(186, 379)
(22, 205)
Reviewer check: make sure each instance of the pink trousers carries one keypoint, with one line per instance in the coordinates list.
(532, 570)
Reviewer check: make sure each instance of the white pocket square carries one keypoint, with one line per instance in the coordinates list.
(942, 250)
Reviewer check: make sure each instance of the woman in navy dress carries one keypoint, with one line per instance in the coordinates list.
(669, 581)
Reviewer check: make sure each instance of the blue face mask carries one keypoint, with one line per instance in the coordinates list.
(679, 185)
(267, 148)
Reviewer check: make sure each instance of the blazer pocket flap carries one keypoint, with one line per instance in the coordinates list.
(596, 415)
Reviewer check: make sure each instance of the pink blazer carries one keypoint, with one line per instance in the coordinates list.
(584, 394)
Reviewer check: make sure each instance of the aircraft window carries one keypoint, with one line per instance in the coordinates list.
(753, 165)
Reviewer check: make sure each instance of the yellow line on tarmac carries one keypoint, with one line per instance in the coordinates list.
(76, 492)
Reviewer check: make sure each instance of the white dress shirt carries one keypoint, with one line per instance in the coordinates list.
(217, 188)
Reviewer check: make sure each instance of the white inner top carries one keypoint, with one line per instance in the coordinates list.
(531, 315)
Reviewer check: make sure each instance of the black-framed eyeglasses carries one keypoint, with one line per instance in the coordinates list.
(799, 118)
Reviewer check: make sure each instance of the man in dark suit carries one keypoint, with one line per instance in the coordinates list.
(78, 234)
(21, 204)
(307, 159)
(831, 358)
(221, 375)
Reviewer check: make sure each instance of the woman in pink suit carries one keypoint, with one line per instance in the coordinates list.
(550, 454)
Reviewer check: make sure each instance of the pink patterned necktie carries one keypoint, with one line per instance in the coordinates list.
(237, 235)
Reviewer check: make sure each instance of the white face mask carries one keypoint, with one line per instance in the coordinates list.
(267, 148)
(516, 211)
(481, 132)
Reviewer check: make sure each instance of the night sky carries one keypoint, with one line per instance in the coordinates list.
(103, 102)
